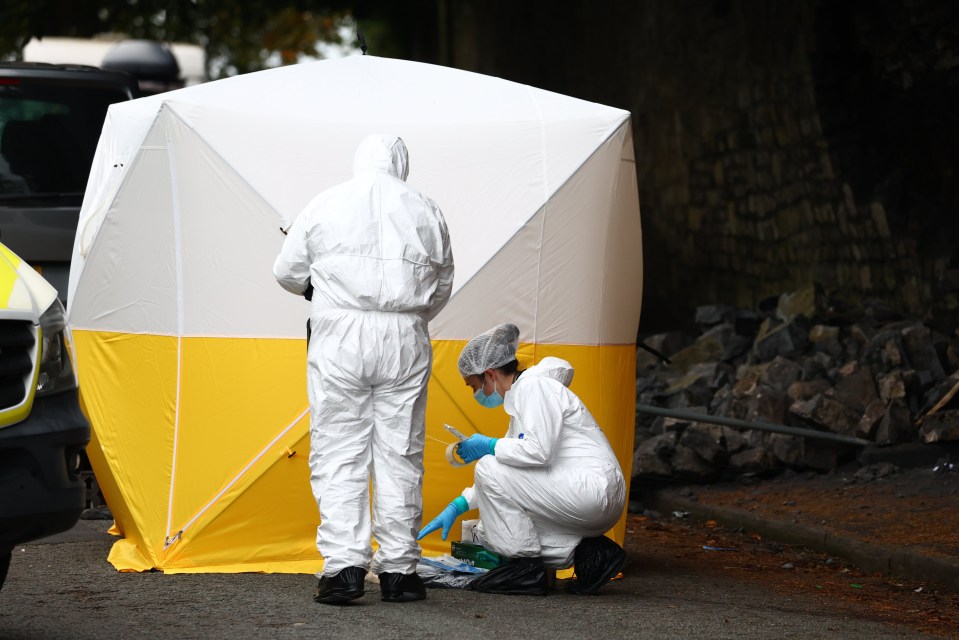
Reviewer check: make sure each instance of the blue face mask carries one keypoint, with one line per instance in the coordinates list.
(489, 401)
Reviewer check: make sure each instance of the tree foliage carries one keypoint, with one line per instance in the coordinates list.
(238, 35)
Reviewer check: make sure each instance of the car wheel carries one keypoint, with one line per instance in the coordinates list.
(4, 565)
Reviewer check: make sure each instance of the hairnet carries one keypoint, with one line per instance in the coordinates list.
(489, 350)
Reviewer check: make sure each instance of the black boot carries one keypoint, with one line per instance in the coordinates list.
(596, 561)
(518, 577)
(399, 587)
(344, 586)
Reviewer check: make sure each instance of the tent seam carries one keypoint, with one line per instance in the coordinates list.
(542, 229)
(236, 478)
(178, 252)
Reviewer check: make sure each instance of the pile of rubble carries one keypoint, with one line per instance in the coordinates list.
(798, 361)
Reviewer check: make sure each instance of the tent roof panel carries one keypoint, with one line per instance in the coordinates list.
(489, 151)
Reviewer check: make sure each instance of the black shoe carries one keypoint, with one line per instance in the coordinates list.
(518, 577)
(399, 587)
(596, 561)
(344, 586)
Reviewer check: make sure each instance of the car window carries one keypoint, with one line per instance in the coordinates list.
(48, 135)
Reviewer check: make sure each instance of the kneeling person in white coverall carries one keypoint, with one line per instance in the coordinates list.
(377, 255)
(550, 488)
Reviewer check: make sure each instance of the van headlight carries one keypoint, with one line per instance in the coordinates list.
(56, 369)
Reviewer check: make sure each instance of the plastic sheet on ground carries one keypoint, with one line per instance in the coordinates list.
(447, 572)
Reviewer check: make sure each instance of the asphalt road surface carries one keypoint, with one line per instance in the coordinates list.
(63, 587)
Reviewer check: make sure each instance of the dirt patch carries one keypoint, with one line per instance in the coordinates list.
(792, 572)
(917, 507)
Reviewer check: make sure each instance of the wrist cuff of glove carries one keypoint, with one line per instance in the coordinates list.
(492, 445)
(461, 504)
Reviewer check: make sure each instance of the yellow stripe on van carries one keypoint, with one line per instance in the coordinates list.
(9, 262)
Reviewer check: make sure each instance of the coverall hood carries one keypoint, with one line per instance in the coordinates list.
(555, 368)
(382, 153)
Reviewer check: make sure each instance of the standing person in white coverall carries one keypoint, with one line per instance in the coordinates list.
(550, 488)
(377, 255)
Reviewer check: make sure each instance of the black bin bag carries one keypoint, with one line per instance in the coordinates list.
(518, 577)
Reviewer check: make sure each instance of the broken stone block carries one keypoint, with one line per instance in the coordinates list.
(766, 405)
(755, 460)
(856, 389)
(733, 440)
(893, 353)
(780, 373)
(688, 465)
(804, 409)
(825, 338)
(787, 449)
(875, 471)
(869, 421)
(706, 441)
(817, 367)
(721, 343)
(725, 403)
(694, 395)
(917, 341)
(892, 386)
(801, 302)
(700, 381)
(804, 390)
(778, 338)
(655, 426)
(822, 332)
(942, 426)
(733, 343)
(645, 464)
(747, 380)
(675, 425)
(704, 349)
(665, 343)
(652, 456)
(827, 414)
(862, 333)
(756, 439)
(708, 316)
(896, 425)
(885, 352)
(849, 368)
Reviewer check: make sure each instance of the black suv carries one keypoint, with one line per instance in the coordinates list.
(50, 122)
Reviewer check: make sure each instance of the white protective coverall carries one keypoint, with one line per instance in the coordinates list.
(553, 480)
(378, 255)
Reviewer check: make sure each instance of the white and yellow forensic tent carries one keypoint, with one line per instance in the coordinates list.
(192, 360)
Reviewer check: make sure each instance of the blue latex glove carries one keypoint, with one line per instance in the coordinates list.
(475, 447)
(446, 518)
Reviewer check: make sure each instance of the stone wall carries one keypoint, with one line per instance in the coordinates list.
(776, 143)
